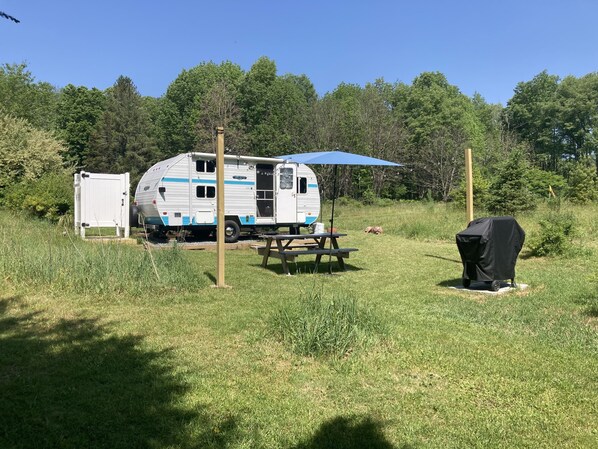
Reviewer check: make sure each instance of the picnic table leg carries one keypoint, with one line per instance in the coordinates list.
(266, 253)
(321, 245)
(339, 257)
(283, 257)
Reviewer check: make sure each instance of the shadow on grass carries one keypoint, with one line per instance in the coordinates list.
(349, 433)
(211, 277)
(307, 267)
(590, 302)
(76, 383)
(457, 282)
(592, 311)
(444, 258)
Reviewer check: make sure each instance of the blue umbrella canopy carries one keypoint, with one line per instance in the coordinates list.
(336, 158)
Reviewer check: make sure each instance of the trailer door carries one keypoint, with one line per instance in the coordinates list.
(286, 193)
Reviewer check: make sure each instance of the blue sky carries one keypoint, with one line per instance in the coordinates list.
(481, 46)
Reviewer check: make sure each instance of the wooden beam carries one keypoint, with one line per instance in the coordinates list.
(469, 185)
(220, 205)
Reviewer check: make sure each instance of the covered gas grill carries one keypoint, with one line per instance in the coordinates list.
(489, 248)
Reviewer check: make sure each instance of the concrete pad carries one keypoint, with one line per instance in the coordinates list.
(482, 287)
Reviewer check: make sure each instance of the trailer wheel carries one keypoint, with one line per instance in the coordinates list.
(495, 286)
(232, 231)
(466, 282)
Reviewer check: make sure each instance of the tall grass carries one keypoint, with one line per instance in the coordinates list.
(37, 254)
(317, 325)
(439, 221)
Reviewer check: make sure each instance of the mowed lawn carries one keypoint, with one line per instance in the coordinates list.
(96, 352)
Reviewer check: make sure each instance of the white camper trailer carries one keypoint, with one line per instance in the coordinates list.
(180, 192)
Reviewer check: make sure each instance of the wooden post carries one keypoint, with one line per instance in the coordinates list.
(469, 185)
(220, 204)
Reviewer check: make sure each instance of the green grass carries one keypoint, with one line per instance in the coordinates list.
(176, 363)
(317, 325)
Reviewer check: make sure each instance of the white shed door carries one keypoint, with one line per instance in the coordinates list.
(104, 199)
(286, 193)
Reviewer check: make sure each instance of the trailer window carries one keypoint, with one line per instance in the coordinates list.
(205, 166)
(286, 178)
(302, 185)
(205, 192)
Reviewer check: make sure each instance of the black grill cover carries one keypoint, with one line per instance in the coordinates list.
(489, 248)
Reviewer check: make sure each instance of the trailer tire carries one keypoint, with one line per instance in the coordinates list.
(495, 286)
(232, 231)
(133, 216)
(466, 282)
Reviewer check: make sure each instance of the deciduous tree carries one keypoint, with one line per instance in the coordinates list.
(78, 111)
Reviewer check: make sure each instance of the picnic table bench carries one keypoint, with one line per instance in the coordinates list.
(289, 246)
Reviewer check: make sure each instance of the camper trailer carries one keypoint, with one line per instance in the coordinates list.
(180, 192)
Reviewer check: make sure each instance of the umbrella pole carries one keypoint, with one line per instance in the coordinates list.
(332, 223)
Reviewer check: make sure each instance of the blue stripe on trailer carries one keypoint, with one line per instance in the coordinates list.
(241, 183)
(153, 220)
(208, 181)
(247, 219)
(312, 186)
(310, 220)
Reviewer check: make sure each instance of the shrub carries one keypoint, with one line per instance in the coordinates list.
(26, 153)
(320, 326)
(555, 236)
(480, 191)
(583, 182)
(540, 181)
(371, 199)
(50, 196)
(510, 190)
(347, 201)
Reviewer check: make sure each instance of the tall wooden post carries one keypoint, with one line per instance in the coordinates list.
(469, 185)
(220, 204)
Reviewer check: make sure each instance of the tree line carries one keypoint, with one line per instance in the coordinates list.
(546, 129)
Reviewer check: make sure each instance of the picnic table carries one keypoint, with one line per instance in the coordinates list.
(287, 247)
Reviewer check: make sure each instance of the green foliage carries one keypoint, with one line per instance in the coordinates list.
(441, 123)
(541, 181)
(122, 141)
(320, 326)
(371, 199)
(26, 153)
(79, 109)
(510, 190)
(22, 97)
(274, 109)
(557, 117)
(481, 187)
(50, 196)
(532, 113)
(555, 235)
(583, 182)
(199, 98)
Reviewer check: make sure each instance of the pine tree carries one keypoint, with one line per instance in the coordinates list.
(583, 183)
(510, 191)
(122, 139)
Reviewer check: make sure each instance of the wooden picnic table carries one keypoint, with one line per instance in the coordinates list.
(287, 247)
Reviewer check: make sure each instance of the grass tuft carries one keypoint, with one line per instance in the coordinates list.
(317, 325)
(40, 255)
